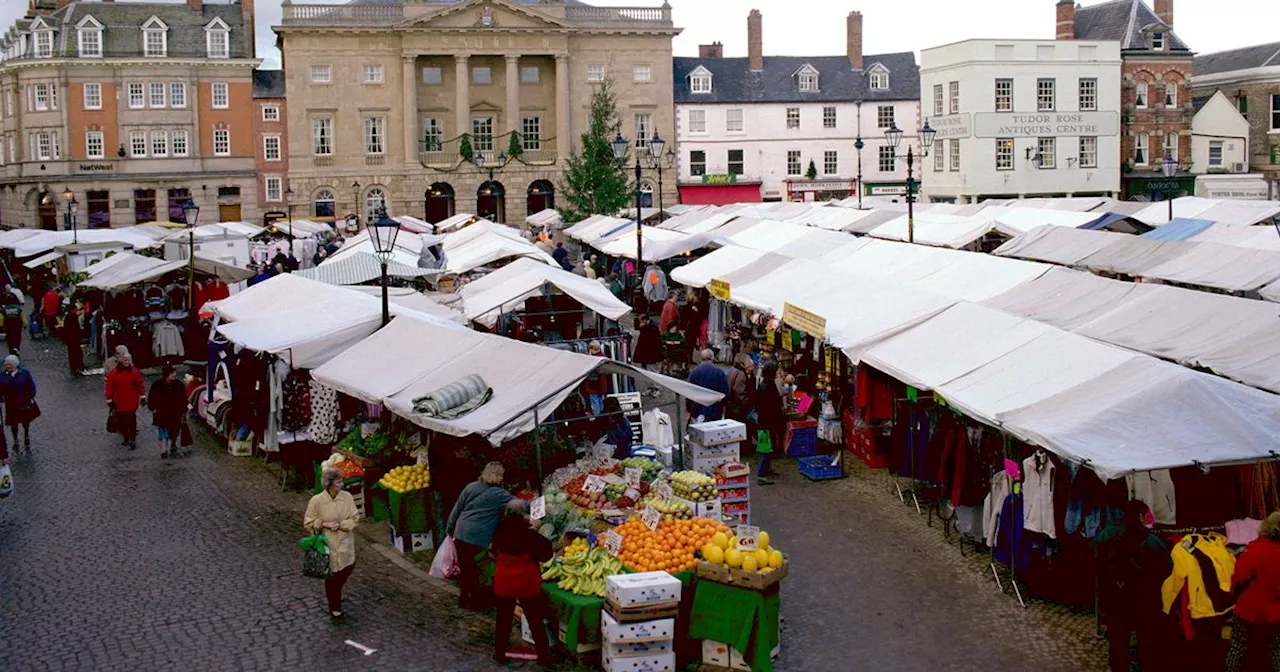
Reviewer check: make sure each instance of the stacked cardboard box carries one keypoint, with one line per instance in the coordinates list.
(638, 624)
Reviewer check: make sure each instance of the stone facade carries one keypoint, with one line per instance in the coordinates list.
(1257, 91)
(377, 112)
(133, 129)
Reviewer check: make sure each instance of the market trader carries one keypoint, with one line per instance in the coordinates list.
(709, 376)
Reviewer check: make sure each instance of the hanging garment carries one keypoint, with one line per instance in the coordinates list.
(1155, 489)
(1260, 485)
(1001, 486)
(166, 340)
(1084, 503)
(1201, 563)
(1241, 532)
(654, 283)
(216, 290)
(324, 414)
(1012, 545)
(296, 412)
(1037, 494)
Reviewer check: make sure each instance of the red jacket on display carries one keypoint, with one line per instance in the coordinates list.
(125, 388)
(1257, 580)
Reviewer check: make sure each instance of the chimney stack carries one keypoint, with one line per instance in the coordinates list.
(713, 50)
(195, 5)
(1164, 11)
(755, 40)
(853, 39)
(1066, 20)
(250, 29)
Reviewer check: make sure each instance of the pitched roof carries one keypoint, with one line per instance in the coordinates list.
(733, 81)
(122, 27)
(1245, 58)
(268, 84)
(1122, 20)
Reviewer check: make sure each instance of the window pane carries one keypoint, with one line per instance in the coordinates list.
(480, 75)
(431, 75)
(178, 94)
(697, 162)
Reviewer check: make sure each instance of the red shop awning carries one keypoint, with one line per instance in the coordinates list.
(719, 194)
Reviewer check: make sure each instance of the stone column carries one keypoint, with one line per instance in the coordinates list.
(513, 94)
(410, 122)
(564, 143)
(462, 105)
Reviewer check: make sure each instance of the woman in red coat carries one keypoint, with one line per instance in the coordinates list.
(517, 578)
(1257, 582)
(125, 392)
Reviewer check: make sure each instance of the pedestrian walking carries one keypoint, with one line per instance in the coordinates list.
(737, 404)
(50, 305)
(12, 307)
(18, 392)
(125, 392)
(1133, 564)
(771, 416)
(472, 522)
(708, 376)
(647, 352)
(333, 512)
(1257, 582)
(517, 579)
(561, 256)
(167, 402)
(670, 312)
(72, 335)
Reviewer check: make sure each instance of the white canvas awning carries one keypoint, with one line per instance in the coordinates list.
(359, 268)
(1014, 221)
(508, 287)
(1233, 269)
(1256, 237)
(44, 259)
(656, 244)
(932, 228)
(485, 242)
(44, 241)
(597, 227)
(1058, 245)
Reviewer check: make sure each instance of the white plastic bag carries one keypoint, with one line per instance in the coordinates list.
(445, 564)
(656, 429)
(6, 481)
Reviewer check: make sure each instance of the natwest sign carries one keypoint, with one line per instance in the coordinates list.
(1045, 124)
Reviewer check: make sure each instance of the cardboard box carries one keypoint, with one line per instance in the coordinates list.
(742, 578)
(587, 641)
(634, 649)
(708, 509)
(707, 465)
(723, 655)
(411, 542)
(629, 590)
(663, 662)
(697, 450)
(717, 432)
(644, 631)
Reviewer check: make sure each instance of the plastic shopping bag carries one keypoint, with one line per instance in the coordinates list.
(6, 481)
(315, 556)
(445, 564)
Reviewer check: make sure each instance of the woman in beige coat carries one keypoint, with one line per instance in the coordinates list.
(334, 512)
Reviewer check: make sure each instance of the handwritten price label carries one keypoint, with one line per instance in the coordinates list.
(613, 543)
(633, 477)
(651, 517)
(538, 509)
(594, 485)
(603, 451)
(665, 491)
(748, 537)
(633, 494)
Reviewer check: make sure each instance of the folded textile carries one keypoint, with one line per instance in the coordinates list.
(455, 399)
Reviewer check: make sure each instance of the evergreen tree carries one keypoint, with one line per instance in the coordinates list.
(465, 150)
(595, 182)
(515, 148)
(812, 173)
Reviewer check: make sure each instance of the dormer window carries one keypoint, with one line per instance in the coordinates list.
(1157, 41)
(155, 38)
(41, 39)
(878, 78)
(807, 78)
(217, 39)
(89, 38)
(700, 80)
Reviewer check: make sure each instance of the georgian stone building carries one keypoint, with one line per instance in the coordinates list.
(381, 95)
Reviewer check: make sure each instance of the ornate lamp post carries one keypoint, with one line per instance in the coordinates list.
(481, 164)
(383, 232)
(1169, 168)
(619, 145)
(190, 213)
(893, 136)
(73, 208)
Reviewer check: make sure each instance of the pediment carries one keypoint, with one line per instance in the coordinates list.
(486, 14)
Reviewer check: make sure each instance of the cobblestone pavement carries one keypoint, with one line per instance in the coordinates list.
(117, 560)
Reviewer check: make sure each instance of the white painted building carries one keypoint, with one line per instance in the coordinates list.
(1021, 118)
(1219, 137)
(749, 128)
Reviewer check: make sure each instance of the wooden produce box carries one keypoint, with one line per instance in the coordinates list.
(362, 461)
(743, 579)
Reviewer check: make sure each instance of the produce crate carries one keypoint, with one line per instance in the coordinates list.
(819, 468)
(802, 438)
(736, 577)
(362, 461)
(642, 612)
(410, 511)
(377, 503)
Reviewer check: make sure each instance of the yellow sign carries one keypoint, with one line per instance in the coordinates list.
(719, 289)
(809, 323)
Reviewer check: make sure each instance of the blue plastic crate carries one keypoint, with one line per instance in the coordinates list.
(820, 468)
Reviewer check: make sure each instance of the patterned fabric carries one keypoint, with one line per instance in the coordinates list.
(455, 399)
(296, 413)
(324, 414)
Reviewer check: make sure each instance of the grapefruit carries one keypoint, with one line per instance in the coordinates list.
(720, 540)
(775, 559)
(733, 557)
(764, 539)
(762, 557)
(714, 554)
(749, 563)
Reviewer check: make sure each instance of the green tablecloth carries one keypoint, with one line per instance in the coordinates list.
(745, 619)
(410, 511)
(580, 615)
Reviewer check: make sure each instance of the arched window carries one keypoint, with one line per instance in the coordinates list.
(646, 195)
(1140, 100)
(374, 201)
(326, 206)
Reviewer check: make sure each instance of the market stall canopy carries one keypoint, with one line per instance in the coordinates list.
(507, 288)
(1265, 237)
(1057, 245)
(44, 259)
(1016, 220)
(485, 242)
(1220, 211)
(786, 238)
(408, 248)
(359, 268)
(596, 228)
(869, 220)
(1065, 298)
(1271, 292)
(456, 222)
(9, 238)
(129, 269)
(700, 220)
(409, 359)
(1181, 228)
(102, 265)
(301, 227)
(219, 230)
(657, 244)
(45, 241)
(1232, 269)
(829, 218)
(412, 299)
(413, 224)
(931, 228)
(546, 218)
(726, 261)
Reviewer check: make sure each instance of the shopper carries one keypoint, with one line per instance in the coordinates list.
(1133, 564)
(334, 513)
(737, 404)
(708, 375)
(72, 335)
(517, 579)
(561, 256)
(11, 304)
(771, 416)
(50, 305)
(670, 312)
(18, 391)
(472, 522)
(125, 392)
(596, 384)
(167, 402)
(1257, 582)
(620, 433)
(647, 352)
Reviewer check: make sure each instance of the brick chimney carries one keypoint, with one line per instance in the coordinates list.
(195, 5)
(713, 50)
(1066, 20)
(853, 39)
(250, 30)
(755, 40)
(1164, 11)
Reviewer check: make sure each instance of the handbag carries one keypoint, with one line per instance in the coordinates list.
(184, 434)
(315, 556)
(113, 424)
(6, 481)
(33, 411)
(764, 443)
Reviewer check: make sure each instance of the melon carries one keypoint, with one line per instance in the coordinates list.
(762, 557)
(775, 559)
(749, 563)
(714, 554)
(733, 557)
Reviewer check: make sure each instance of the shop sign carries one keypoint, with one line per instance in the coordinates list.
(748, 537)
(1172, 184)
(1045, 124)
(730, 178)
(1258, 193)
(809, 323)
(96, 167)
(889, 191)
(719, 289)
(952, 126)
(538, 508)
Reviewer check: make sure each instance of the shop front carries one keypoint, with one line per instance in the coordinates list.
(723, 189)
(816, 191)
(1157, 187)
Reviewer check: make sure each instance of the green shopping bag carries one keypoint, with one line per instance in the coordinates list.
(764, 444)
(315, 556)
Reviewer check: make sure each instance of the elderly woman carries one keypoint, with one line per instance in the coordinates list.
(517, 579)
(472, 522)
(125, 390)
(18, 391)
(167, 402)
(1257, 581)
(334, 512)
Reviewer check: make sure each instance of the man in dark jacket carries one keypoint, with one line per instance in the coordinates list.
(709, 376)
(561, 256)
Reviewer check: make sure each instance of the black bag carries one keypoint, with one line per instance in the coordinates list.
(113, 424)
(184, 434)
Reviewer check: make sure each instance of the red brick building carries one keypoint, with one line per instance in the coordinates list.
(271, 135)
(1156, 90)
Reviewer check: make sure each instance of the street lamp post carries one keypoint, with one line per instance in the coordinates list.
(858, 145)
(657, 160)
(288, 198)
(893, 136)
(1169, 167)
(481, 164)
(73, 208)
(355, 200)
(620, 153)
(383, 232)
(190, 213)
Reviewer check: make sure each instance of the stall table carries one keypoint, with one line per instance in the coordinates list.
(745, 619)
(580, 614)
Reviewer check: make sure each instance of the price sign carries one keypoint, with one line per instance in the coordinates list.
(748, 537)
(368, 429)
(633, 477)
(422, 458)
(594, 485)
(613, 543)
(538, 509)
(633, 494)
(664, 490)
(603, 451)
(650, 516)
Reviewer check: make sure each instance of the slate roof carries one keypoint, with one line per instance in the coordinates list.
(122, 27)
(1258, 56)
(268, 84)
(1122, 20)
(732, 80)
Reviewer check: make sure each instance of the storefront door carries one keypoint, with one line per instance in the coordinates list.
(229, 213)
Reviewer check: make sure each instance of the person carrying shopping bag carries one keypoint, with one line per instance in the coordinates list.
(333, 512)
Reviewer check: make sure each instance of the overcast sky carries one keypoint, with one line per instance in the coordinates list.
(817, 27)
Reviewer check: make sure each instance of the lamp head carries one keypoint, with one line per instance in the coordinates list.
(67, 194)
(927, 134)
(1169, 166)
(619, 145)
(383, 232)
(190, 213)
(893, 136)
(656, 145)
